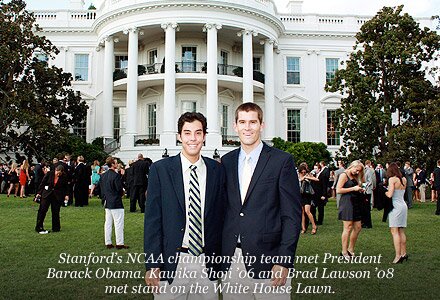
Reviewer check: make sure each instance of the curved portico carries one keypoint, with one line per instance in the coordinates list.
(168, 47)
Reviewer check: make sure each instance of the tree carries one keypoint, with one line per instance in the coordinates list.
(37, 104)
(386, 76)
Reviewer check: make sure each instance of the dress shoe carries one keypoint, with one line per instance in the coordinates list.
(122, 247)
(399, 261)
(404, 257)
(110, 246)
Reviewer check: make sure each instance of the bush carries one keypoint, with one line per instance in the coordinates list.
(308, 152)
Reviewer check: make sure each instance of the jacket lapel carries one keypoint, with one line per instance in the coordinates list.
(211, 180)
(176, 175)
(234, 175)
(261, 164)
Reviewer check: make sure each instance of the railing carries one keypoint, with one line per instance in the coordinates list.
(230, 140)
(110, 145)
(188, 67)
(238, 71)
(146, 140)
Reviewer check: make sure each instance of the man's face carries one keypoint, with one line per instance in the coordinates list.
(192, 138)
(248, 128)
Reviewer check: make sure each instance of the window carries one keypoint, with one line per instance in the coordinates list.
(152, 56)
(333, 131)
(188, 106)
(189, 58)
(293, 74)
(81, 67)
(331, 66)
(223, 67)
(256, 63)
(152, 121)
(293, 125)
(224, 121)
(81, 130)
(121, 62)
(119, 121)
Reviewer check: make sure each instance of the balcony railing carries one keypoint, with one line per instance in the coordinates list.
(188, 67)
(146, 140)
(111, 145)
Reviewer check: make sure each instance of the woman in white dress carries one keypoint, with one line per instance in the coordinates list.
(398, 215)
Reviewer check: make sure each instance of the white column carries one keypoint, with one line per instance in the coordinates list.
(269, 90)
(248, 88)
(107, 109)
(168, 136)
(213, 139)
(132, 85)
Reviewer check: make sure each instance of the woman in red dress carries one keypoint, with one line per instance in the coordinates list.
(24, 177)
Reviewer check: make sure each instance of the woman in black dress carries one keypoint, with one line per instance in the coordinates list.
(350, 187)
(306, 197)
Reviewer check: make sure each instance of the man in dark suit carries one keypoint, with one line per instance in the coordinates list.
(82, 180)
(53, 190)
(324, 177)
(38, 171)
(139, 183)
(184, 214)
(263, 212)
(112, 192)
(436, 185)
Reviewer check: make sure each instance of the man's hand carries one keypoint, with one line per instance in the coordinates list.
(281, 275)
(152, 278)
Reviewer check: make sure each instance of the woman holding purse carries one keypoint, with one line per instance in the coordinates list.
(350, 212)
(307, 194)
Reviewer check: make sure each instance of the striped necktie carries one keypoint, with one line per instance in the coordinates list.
(195, 214)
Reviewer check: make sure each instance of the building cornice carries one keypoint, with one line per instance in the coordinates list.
(218, 5)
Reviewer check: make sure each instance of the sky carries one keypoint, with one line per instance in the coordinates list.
(416, 8)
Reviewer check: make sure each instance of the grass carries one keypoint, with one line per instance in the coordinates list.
(25, 256)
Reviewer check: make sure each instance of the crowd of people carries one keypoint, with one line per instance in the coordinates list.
(360, 188)
(252, 183)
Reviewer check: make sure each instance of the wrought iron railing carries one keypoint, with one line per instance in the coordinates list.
(188, 67)
(111, 145)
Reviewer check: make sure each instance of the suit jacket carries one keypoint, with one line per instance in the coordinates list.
(409, 177)
(337, 173)
(140, 172)
(111, 189)
(370, 180)
(269, 220)
(81, 176)
(164, 223)
(437, 178)
(48, 188)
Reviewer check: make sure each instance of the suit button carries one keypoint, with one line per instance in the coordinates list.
(181, 229)
(241, 214)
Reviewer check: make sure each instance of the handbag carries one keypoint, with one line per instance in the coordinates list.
(306, 188)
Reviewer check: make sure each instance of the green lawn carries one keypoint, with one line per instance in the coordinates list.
(26, 257)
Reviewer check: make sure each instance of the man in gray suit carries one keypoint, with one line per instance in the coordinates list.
(370, 185)
(338, 172)
(409, 173)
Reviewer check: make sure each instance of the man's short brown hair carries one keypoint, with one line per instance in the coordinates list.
(190, 117)
(110, 161)
(249, 106)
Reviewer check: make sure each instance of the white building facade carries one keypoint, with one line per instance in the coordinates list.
(140, 64)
